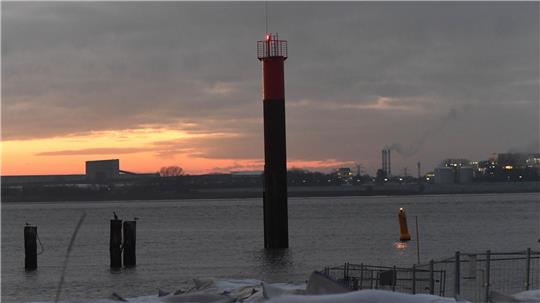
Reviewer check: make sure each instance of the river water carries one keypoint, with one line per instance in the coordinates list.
(184, 239)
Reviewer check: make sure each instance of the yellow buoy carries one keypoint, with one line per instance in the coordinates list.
(403, 230)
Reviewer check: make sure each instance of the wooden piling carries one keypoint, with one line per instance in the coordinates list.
(30, 248)
(115, 244)
(130, 237)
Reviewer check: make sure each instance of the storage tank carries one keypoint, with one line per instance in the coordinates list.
(465, 174)
(444, 175)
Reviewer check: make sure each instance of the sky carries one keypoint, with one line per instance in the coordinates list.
(178, 83)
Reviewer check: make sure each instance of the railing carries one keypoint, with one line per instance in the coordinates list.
(271, 48)
(469, 276)
(411, 280)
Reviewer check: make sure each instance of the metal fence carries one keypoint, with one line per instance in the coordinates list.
(469, 276)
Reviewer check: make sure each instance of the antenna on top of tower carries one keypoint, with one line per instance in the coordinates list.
(266, 16)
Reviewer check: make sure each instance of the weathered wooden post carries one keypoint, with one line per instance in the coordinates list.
(115, 244)
(30, 248)
(130, 237)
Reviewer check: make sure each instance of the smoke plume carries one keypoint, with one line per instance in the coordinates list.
(431, 132)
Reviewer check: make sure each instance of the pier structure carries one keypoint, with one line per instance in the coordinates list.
(272, 52)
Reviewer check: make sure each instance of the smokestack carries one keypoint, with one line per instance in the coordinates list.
(383, 166)
(419, 171)
(389, 163)
(272, 52)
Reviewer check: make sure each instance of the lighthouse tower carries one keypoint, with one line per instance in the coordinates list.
(272, 52)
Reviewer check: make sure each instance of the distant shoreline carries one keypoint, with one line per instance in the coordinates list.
(294, 191)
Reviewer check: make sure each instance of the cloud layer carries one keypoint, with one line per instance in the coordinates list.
(360, 76)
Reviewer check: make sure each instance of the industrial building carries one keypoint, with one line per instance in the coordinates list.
(102, 170)
(96, 172)
(454, 175)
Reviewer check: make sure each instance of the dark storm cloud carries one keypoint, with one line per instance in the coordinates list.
(360, 75)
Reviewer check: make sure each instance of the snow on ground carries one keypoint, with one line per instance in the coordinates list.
(529, 296)
(362, 296)
(252, 291)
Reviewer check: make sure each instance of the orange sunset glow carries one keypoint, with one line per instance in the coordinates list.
(142, 150)
(138, 150)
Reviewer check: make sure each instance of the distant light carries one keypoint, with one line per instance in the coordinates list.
(427, 178)
(401, 209)
(520, 177)
(400, 179)
(385, 179)
(508, 167)
(268, 37)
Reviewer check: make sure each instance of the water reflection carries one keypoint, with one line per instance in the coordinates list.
(31, 274)
(277, 258)
(401, 248)
(275, 261)
(400, 245)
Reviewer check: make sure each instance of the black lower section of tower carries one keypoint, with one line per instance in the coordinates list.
(276, 230)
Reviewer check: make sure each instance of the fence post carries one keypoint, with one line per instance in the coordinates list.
(394, 279)
(361, 274)
(414, 279)
(431, 277)
(528, 273)
(456, 275)
(488, 273)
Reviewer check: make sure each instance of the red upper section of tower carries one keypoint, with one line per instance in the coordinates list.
(271, 47)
